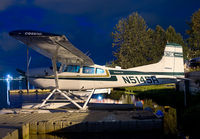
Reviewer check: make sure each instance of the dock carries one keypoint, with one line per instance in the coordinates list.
(27, 123)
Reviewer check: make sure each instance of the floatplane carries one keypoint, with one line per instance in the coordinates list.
(78, 71)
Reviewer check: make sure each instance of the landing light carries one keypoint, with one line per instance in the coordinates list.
(99, 98)
(9, 78)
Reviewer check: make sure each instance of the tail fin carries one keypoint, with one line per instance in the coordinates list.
(172, 60)
(171, 63)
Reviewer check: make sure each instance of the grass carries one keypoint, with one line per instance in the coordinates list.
(150, 88)
(194, 69)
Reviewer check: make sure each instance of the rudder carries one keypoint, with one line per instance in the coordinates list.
(173, 59)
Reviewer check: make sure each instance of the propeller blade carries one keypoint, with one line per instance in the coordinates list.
(21, 72)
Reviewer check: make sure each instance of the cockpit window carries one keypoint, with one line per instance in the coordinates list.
(72, 68)
(99, 71)
(88, 70)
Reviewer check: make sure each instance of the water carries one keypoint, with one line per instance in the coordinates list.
(3, 95)
(16, 100)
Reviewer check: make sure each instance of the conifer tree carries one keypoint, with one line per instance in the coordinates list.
(138, 45)
(173, 37)
(158, 43)
(131, 41)
(194, 35)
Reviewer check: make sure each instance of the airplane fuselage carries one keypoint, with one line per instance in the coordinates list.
(89, 77)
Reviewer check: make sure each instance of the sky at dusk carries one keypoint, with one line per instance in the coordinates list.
(88, 24)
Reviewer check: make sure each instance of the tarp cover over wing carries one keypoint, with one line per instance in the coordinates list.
(52, 45)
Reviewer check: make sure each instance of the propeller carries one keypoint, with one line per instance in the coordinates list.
(21, 72)
(24, 77)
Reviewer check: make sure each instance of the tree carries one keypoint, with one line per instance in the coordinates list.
(131, 41)
(158, 38)
(137, 45)
(172, 36)
(194, 34)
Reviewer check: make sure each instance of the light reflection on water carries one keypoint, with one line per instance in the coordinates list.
(4, 96)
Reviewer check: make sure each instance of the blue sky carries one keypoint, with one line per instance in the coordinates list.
(87, 24)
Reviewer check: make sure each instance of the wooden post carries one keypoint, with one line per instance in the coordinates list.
(186, 93)
(177, 87)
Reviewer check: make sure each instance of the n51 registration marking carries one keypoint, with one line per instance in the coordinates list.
(140, 79)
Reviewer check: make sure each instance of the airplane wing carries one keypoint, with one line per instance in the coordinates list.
(51, 45)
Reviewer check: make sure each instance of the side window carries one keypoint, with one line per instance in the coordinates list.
(99, 71)
(88, 70)
(72, 68)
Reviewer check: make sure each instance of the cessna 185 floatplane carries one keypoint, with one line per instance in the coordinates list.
(78, 71)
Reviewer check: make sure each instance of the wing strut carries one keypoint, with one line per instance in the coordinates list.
(55, 71)
(54, 59)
